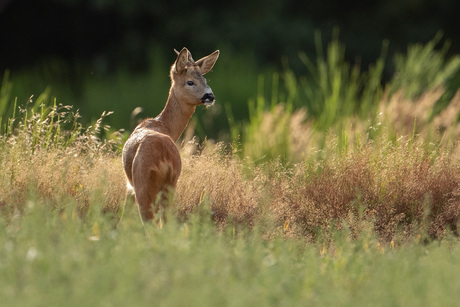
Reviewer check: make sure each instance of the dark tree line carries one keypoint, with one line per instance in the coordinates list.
(118, 30)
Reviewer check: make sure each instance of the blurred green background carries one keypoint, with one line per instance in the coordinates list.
(103, 55)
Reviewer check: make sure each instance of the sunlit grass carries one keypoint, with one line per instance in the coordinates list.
(53, 258)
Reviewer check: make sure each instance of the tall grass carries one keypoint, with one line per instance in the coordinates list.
(423, 68)
(5, 92)
(335, 89)
(49, 153)
(337, 97)
(404, 185)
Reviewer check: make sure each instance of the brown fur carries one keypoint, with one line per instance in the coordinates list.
(150, 157)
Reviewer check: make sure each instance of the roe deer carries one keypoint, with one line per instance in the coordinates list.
(150, 157)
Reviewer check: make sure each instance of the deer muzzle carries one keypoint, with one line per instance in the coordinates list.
(208, 99)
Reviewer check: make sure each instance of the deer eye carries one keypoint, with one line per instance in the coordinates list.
(190, 83)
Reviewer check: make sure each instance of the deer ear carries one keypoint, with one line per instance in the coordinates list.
(207, 62)
(182, 59)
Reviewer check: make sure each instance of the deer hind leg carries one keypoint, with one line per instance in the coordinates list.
(147, 186)
(154, 172)
(152, 193)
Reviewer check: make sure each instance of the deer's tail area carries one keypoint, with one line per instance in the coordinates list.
(156, 168)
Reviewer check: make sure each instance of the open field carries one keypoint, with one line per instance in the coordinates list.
(325, 203)
(54, 258)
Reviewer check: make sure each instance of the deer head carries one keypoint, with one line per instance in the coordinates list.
(188, 84)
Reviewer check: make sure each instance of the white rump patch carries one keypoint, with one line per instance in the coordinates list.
(129, 188)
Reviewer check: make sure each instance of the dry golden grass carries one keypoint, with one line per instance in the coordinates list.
(218, 178)
(61, 177)
(405, 117)
(86, 169)
(397, 187)
(400, 188)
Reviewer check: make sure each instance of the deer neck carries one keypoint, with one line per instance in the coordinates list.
(175, 115)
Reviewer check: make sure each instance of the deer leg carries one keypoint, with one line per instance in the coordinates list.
(146, 188)
(156, 167)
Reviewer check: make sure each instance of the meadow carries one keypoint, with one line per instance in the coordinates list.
(338, 189)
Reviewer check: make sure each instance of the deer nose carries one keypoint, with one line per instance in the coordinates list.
(208, 98)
